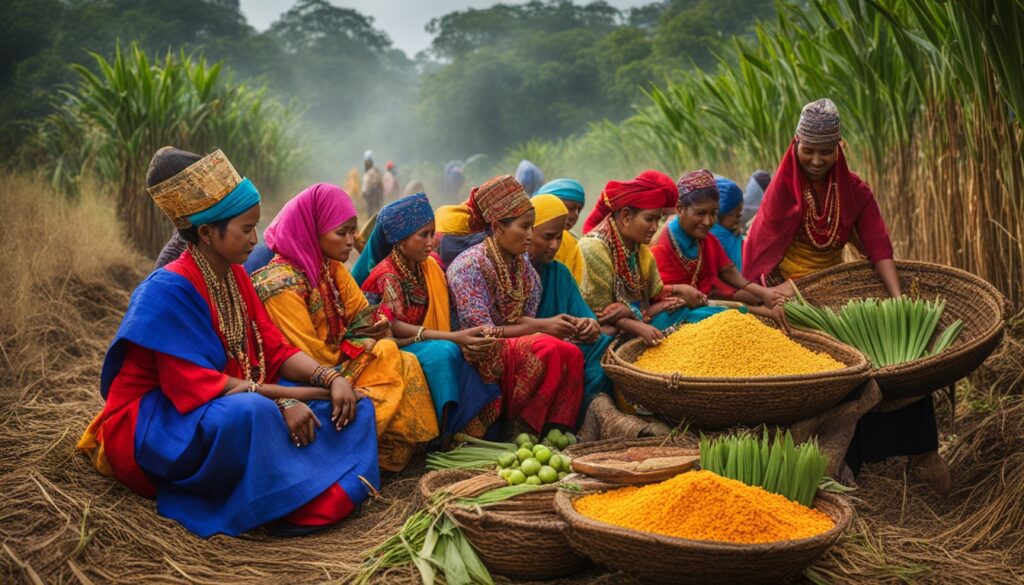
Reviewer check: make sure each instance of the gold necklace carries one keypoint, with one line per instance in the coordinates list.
(231, 317)
(518, 293)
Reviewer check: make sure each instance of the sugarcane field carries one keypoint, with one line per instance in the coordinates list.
(477, 292)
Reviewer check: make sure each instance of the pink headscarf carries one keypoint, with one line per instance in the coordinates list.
(295, 232)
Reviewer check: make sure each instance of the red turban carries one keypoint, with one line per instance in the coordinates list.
(649, 190)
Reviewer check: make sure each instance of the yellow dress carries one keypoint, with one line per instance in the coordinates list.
(392, 379)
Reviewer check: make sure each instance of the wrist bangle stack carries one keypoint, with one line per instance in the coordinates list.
(419, 335)
(286, 403)
(253, 386)
(323, 376)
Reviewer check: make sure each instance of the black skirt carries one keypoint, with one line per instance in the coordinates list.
(910, 430)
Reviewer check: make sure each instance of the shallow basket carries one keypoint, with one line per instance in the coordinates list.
(508, 535)
(711, 403)
(977, 303)
(652, 558)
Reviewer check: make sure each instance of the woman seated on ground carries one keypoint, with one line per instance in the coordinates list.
(194, 414)
(313, 300)
(621, 283)
(812, 208)
(409, 289)
(690, 258)
(570, 192)
(561, 295)
(493, 285)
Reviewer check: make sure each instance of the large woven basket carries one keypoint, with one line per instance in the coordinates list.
(711, 403)
(509, 535)
(652, 558)
(977, 303)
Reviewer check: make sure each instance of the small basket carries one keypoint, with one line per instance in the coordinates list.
(505, 533)
(977, 303)
(713, 403)
(652, 558)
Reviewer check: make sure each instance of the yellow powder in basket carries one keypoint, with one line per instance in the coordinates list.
(731, 344)
(700, 505)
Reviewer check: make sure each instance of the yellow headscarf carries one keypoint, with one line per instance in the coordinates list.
(453, 220)
(549, 207)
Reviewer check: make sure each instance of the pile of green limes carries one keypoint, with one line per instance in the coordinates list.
(537, 462)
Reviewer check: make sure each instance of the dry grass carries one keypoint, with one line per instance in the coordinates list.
(66, 281)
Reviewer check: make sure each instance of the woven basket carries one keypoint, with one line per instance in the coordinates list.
(711, 403)
(507, 533)
(977, 303)
(653, 558)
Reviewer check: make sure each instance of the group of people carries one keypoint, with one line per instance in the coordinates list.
(278, 397)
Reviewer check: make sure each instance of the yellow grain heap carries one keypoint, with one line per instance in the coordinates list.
(701, 505)
(731, 344)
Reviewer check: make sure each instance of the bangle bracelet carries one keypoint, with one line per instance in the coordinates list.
(253, 386)
(419, 335)
(286, 403)
(744, 287)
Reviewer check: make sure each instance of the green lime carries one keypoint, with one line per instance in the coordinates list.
(522, 438)
(516, 477)
(566, 464)
(561, 475)
(523, 454)
(553, 436)
(534, 480)
(547, 474)
(531, 466)
(556, 461)
(562, 442)
(543, 455)
(537, 447)
(572, 438)
(507, 459)
(504, 473)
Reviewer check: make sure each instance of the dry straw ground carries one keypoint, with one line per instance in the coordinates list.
(66, 279)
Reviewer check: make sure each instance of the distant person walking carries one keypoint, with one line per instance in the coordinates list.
(373, 185)
(391, 185)
(529, 176)
(454, 177)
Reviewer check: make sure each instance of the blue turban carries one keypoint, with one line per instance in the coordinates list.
(395, 222)
(529, 176)
(235, 203)
(567, 189)
(729, 195)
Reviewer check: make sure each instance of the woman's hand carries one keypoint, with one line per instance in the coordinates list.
(479, 349)
(343, 402)
(613, 312)
(560, 326)
(469, 336)
(772, 297)
(302, 423)
(690, 295)
(649, 333)
(587, 330)
(377, 331)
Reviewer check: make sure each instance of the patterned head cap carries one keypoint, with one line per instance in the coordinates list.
(695, 186)
(819, 123)
(501, 198)
(197, 188)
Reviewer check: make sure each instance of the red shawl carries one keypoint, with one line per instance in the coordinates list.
(649, 190)
(780, 217)
(673, 271)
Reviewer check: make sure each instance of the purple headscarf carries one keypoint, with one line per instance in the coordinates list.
(295, 232)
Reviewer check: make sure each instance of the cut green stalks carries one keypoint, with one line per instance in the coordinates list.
(776, 465)
(473, 454)
(888, 332)
(432, 542)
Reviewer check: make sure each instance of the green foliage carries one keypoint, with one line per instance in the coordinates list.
(114, 120)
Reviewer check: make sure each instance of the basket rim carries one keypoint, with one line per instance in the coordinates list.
(984, 336)
(854, 370)
(567, 511)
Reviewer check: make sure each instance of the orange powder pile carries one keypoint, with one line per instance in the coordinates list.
(701, 505)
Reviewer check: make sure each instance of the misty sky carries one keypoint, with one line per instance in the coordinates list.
(403, 20)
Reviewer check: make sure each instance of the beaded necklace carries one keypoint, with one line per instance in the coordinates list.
(694, 265)
(413, 282)
(231, 318)
(334, 308)
(515, 290)
(829, 216)
(627, 273)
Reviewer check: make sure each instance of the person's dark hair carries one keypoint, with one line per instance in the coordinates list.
(698, 196)
(632, 210)
(167, 162)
